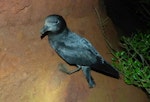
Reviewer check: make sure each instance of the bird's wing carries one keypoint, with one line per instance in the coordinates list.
(77, 50)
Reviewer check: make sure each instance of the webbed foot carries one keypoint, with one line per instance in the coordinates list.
(64, 69)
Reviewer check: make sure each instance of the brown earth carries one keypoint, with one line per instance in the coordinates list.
(29, 67)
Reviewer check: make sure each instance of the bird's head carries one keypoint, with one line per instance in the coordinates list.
(54, 24)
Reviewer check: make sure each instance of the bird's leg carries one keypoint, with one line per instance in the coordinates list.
(63, 68)
(86, 70)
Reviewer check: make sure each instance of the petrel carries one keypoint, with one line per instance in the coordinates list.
(75, 50)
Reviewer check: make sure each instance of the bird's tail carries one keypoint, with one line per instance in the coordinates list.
(106, 69)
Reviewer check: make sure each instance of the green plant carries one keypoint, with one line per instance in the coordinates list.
(134, 61)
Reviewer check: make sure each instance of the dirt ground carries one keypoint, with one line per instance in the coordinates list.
(29, 69)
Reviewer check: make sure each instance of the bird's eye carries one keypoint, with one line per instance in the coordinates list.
(53, 21)
(57, 22)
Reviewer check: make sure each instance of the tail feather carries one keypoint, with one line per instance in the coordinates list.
(106, 69)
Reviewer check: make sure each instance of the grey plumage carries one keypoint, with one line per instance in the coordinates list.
(74, 49)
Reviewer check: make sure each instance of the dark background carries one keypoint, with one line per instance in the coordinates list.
(129, 16)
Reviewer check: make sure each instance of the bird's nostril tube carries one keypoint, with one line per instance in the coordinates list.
(43, 30)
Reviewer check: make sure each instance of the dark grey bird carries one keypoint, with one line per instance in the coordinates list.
(74, 49)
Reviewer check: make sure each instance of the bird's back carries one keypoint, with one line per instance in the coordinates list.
(75, 49)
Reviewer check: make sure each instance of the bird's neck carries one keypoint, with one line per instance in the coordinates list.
(58, 36)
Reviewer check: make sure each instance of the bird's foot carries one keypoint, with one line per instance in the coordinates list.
(64, 69)
(86, 70)
(91, 83)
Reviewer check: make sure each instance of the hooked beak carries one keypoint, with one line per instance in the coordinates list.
(43, 32)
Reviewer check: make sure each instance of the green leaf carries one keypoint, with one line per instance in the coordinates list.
(129, 62)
